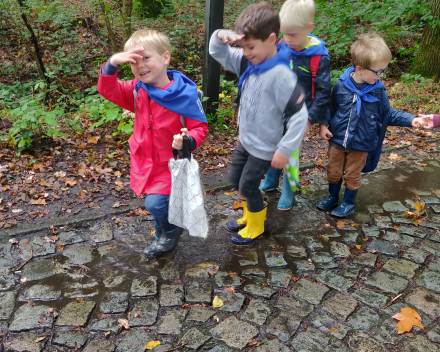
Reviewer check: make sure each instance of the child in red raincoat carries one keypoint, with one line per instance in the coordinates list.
(159, 98)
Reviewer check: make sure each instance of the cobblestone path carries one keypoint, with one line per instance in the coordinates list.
(313, 284)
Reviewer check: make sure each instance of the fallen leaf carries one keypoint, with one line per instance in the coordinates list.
(340, 224)
(94, 140)
(40, 201)
(107, 334)
(408, 318)
(229, 193)
(237, 205)
(124, 323)
(229, 289)
(358, 246)
(13, 240)
(211, 268)
(295, 279)
(419, 207)
(334, 329)
(61, 247)
(60, 174)
(150, 345)
(230, 274)
(39, 338)
(116, 205)
(70, 182)
(23, 280)
(396, 227)
(217, 302)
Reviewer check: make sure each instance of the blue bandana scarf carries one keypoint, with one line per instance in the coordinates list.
(363, 93)
(312, 50)
(180, 97)
(281, 58)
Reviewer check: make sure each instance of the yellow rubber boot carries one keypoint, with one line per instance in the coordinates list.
(253, 230)
(237, 225)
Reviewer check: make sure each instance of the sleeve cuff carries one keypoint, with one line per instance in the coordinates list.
(109, 69)
(193, 143)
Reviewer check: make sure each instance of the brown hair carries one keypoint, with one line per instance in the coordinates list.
(368, 50)
(258, 21)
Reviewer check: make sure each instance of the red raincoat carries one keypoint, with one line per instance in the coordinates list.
(153, 132)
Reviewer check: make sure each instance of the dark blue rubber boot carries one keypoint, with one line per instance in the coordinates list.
(271, 181)
(346, 208)
(165, 244)
(333, 197)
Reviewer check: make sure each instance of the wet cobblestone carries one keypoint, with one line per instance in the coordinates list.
(309, 286)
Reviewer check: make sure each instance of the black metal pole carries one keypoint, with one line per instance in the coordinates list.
(211, 68)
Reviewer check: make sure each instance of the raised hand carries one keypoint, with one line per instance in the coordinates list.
(226, 35)
(125, 57)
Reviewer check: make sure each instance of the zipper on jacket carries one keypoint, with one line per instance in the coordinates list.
(349, 119)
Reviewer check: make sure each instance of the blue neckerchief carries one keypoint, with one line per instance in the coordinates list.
(312, 50)
(180, 97)
(363, 93)
(281, 58)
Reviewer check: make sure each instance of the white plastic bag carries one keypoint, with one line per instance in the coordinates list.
(186, 207)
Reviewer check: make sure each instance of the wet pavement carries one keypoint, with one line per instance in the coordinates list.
(312, 284)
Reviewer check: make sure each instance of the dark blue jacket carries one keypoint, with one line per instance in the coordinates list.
(358, 133)
(319, 108)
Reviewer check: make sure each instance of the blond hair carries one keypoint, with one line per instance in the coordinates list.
(368, 50)
(158, 41)
(299, 13)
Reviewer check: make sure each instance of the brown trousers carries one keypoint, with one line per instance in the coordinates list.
(347, 165)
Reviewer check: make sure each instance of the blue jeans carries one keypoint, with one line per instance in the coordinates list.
(157, 206)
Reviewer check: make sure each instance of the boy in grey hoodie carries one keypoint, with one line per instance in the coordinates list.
(267, 137)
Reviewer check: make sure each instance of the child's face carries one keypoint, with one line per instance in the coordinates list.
(296, 37)
(256, 50)
(368, 76)
(152, 68)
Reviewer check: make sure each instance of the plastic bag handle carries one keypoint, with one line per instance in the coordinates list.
(185, 152)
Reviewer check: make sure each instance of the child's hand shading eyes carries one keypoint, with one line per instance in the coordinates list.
(229, 36)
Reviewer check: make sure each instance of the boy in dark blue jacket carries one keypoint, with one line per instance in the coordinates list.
(310, 61)
(359, 100)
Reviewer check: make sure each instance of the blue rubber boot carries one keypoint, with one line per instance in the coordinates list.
(346, 208)
(333, 197)
(165, 244)
(287, 197)
(271, 181)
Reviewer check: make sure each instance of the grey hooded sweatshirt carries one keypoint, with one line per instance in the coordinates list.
(263, 100)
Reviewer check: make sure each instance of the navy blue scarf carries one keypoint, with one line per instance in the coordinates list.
(363, 93)
(281, 58)
(179, 97)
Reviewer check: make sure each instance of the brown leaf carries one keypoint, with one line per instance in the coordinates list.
(107, 334)
(229, 289)
(40, 201)
(408, 318)
(61, 247)
(69, 182)
(124, 323)
(334, 329)
(39, 338)
(46, 184)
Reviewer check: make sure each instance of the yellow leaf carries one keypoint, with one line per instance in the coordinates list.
(150, 345)
(334, 329)
(217, 302)
(419, 207)
(229, 193)
(358, 246)
(237, 205)
(408, 318)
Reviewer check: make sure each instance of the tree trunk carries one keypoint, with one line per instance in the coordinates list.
(37, 54)
(427, 62)
(126, 10)
(108, 25)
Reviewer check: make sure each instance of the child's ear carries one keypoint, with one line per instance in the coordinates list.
(273, 38)
(166, 57)
(358, 69)
(310, 27)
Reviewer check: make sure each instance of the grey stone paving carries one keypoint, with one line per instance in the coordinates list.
(307, 287)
